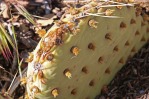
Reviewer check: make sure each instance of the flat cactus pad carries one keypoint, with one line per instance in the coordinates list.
(82, 52)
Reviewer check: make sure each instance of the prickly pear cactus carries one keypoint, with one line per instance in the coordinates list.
(84, 50)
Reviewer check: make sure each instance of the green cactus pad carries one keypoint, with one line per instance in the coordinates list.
(83, 52)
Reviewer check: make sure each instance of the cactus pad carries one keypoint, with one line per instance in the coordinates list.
(82, 52)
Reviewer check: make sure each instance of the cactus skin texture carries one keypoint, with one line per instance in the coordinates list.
(77, 57)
